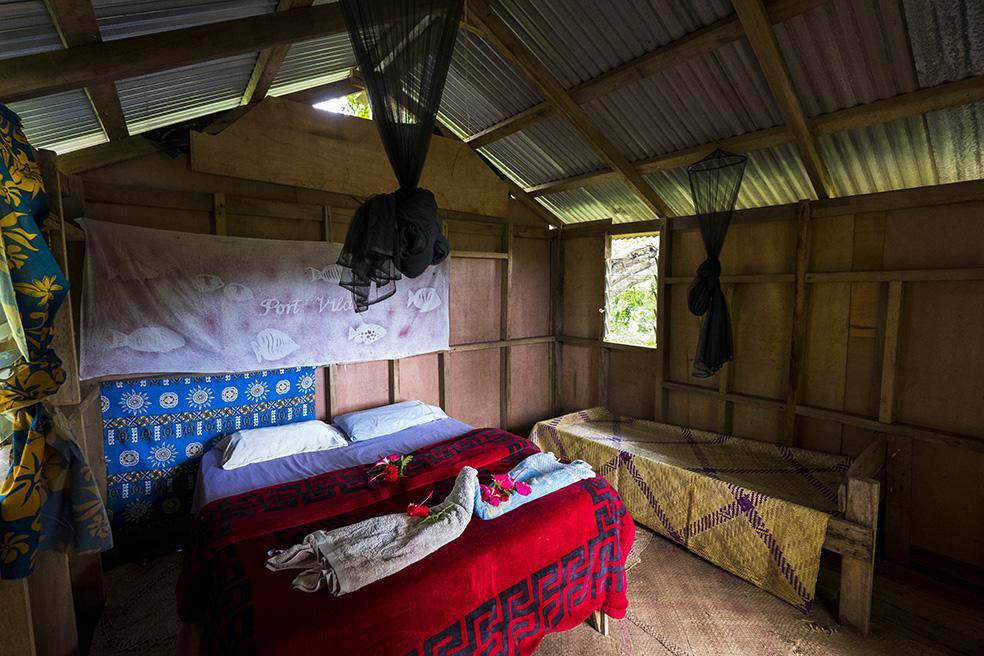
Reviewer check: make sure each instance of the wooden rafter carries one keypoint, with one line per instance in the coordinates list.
(81, 66)
(269, 61)
(762, 38)
(695, 44)
(916, 103)
(76, 23)
(501, 37)
(324, 92)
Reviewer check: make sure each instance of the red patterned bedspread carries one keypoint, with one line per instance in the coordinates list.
(498, 589)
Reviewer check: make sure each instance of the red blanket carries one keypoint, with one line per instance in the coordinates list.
(499, 588)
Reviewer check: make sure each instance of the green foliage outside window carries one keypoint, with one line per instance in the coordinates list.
(630, 313)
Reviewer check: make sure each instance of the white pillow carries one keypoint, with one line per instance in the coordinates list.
(387, 419)
(247, 447)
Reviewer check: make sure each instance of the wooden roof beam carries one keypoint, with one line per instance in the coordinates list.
(80, 66)
(269, 61)
(700, 42)
(498, 34)
(762, 39)
(76, 23)
(916, 103)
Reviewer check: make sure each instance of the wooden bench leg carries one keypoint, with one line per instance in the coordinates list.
(599, 622)
(857, 574)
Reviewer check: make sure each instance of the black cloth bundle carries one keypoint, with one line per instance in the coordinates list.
(390, 235)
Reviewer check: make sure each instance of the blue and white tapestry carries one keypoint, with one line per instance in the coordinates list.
(156, 431)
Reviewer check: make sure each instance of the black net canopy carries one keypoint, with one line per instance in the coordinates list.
(714, 183)
(404, 49)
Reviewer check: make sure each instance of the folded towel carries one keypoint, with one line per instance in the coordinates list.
(348, 558)
(544, 473)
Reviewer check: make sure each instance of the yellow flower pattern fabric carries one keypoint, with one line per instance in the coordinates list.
(48, 498)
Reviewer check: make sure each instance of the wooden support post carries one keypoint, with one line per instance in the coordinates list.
(557, 312)
(394, 381)
(219, 224)
(857, 572)
(331, 372)
(326, 227)
(661, 406)
(603, 368)
(726, 377)
(893, 319)
(798, 337)
(444, 379)
(898, 498)
(505, 370)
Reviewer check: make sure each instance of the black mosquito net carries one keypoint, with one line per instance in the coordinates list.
(714, 183)
(403, 48)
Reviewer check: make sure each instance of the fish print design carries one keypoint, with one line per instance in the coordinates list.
(238, 293)
(425, 299)
(206, 282)
(133, 270)
(272, 344)
(151, 339)
(331, 273)
(367, 333)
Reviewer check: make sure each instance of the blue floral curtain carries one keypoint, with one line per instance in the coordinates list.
(48, 498)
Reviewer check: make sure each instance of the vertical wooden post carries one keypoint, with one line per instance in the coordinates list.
(661, 405)
(326, 225)
(898, 498)
(726, 377)
(890, 354)
(798, 336)
(219, 223)
(331, 372)
(444, 379)
(557, 315)
(394, 381)
(605, 361)
(857, 574)
(505, 353)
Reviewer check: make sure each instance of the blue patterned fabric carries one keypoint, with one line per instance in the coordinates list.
(156, 430)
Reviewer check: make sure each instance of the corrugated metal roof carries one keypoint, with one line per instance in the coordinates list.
(160, 99)
(947, 39)
(312, 63)
(124, 18)
(543, 152)
(61, 122)
(26, 29)
(611, 200)
(482, 88)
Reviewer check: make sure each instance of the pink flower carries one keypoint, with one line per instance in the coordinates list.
(504, 481)
(522, 488)
(393, 456)
(418, 510)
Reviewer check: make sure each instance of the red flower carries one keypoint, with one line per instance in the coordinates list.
(418, 510)
(522, 488)
(391, 473)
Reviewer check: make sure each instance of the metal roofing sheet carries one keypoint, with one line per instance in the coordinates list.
(26, 29)
(124, 18)
(160, 99)
(482, 88)
(611, 200)
(312, 63)
(580, 39)
(718, 95)
(845, 53)
(543, 152)
(947, 39)
(61, 122)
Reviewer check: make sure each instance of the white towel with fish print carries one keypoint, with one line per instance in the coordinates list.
(159, 301)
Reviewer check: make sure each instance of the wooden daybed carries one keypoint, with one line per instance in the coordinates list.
(762, 511)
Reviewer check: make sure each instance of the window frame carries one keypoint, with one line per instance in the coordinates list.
(606, 307)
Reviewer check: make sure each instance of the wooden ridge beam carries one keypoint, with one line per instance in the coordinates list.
(915, 103)
(498, 34)
(80, 66)
(269, 61)
(762, 38)
(75, 21)
(700, 42)
(324, 92)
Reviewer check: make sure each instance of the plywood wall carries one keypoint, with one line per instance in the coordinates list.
(847, 396)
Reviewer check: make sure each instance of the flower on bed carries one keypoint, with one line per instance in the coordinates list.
(503, 487)
(390, 468)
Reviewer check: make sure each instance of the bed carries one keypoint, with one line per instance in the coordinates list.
(499, 588)
(759, 510)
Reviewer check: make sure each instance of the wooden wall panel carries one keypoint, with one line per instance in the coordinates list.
(529, 397)
(632, 382)
(695, 410)
(579, 377)
(360, 386)
(584, 286)
(684, 330)
(151, 217)
(529, 296)
(468, 241)
(761, 328)
(957, 239)
(475, 387)
(260, 227)
(419, 379)
(475, 300)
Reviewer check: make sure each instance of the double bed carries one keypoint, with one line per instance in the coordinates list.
(499, 588)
